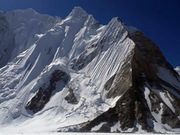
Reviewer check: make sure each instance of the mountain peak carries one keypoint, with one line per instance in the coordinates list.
(79, 75)
(77, 12)
(31, 10)
(28, 10)
(115, 21)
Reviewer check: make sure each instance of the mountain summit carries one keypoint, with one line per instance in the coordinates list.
(77, 12)
(75, 74)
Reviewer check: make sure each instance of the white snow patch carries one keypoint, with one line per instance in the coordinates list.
(158, 125)
(96, 128)
(147, 92)
(39, 35)
(177, 69)
(167, 101)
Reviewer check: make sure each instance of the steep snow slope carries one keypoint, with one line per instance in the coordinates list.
(78, 75)
(26, 27)
(55, 49)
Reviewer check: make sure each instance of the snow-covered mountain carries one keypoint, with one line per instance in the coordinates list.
(75, 74)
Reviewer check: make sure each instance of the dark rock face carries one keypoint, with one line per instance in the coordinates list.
(109, 83)
(110, 118)
(71, 98)
(44, 94)
(123, 80)
(137, 72)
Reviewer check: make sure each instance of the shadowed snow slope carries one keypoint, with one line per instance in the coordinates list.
(75, 74)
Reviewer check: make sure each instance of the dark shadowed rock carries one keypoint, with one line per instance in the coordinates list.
(109, 83)
(71, 98)
(44, 94)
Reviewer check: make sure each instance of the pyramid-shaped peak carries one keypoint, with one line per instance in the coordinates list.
(115, 20)
(77, 12)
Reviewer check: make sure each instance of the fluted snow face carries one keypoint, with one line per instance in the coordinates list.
(87, 52)
(44, 44)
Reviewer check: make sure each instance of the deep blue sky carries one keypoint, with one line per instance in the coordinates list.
(157, 19)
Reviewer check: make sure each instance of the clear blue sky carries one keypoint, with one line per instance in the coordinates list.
(157, 19)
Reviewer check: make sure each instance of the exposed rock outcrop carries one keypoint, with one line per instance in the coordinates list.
(44, 94)
(71, 98)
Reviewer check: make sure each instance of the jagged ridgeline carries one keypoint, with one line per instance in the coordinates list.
(75, 74)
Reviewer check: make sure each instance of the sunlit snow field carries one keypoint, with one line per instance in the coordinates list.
(77, 134)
